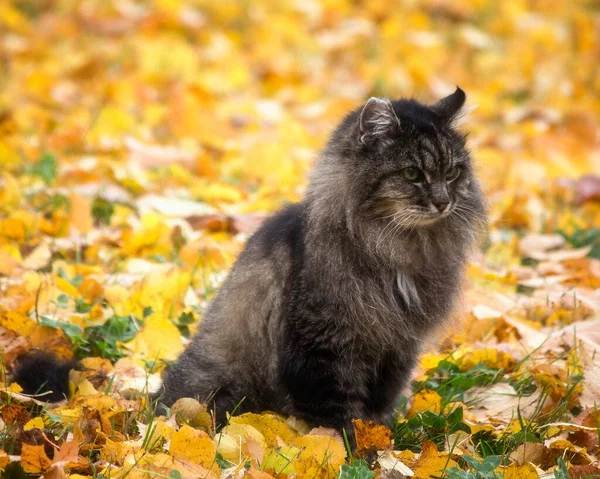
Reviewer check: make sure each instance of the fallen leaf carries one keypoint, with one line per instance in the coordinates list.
(273, 428)
(194, 446)
(426, 400)
(431, 463)
(39, 258)
(371, 436)
(34, 459)
(524, 471)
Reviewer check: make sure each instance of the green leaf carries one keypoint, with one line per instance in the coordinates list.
(455, 416)
(456, 473)
(62, 301)
(433, 420)
(46, 168)
(102, 210)
(561, 472)
(186, 319)
(490, 463)
(81, 306)
(71, 330)
(222, 462)
(103, 340)
(358, 470)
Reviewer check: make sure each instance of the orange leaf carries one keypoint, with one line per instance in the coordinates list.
(81, 213)
(371, 436)
(34, 459)
(426, 400)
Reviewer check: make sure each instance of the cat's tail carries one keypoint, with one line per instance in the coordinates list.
(43, 375)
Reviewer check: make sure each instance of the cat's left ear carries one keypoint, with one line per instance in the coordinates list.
(377, 119)
(447, 108)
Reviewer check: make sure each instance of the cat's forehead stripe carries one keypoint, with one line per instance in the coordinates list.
(433, 153)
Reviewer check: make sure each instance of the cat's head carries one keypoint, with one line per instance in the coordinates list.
(405, 162)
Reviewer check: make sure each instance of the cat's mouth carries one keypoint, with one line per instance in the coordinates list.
(410, 217)
(432, 215)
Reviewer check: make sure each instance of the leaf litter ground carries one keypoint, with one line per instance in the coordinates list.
(142, 142)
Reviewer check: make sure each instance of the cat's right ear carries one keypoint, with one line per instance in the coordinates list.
(377, 120)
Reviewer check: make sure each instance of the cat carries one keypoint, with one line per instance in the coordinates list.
(326, 310)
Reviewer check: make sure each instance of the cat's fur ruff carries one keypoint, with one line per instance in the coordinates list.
(327, 308)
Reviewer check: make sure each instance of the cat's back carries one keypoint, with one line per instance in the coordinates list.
(247, 308)
(280, 238)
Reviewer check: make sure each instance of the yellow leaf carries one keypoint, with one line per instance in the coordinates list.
(34, 459)
(194, 446)
(160, 430)
(4, 460)
(10, 192)
(492, 358)
(66, 287)
(164, 292)
(112, 122)
(90, 289)
(38, 258)
(35, 423)
(214, 193)
(431, 361)
(117, 452)
(41, 337)
(254, 473)
(81, 213)
(85, 387)
(321, 456)
(12, 251)
(431, 463)
(158, 339)
(271, 426)
(13, 229)
(14, 388)
(9, 159)
(524, 471)
(426, 400)
(281, 460)
(188, 470)
(232, 438)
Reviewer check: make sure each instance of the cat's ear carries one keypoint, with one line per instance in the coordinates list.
(447, 108)
(377, 119)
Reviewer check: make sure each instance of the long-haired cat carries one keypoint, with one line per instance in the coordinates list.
(327, 308)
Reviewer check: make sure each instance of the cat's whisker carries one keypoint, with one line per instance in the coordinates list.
(470, 218)
(391, 222)
(399, 218)
(475, 226)
(406, 220)
(416, 222)
(464, 206)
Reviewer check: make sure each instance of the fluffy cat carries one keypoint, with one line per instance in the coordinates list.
(326, 310)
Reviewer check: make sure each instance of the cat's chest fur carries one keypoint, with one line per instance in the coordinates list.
(407, 290)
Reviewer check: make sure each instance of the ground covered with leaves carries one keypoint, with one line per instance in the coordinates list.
(141, 142)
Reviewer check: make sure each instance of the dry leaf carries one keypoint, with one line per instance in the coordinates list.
(195, 446)
(431, 463)
(34, 459)
(371, 436)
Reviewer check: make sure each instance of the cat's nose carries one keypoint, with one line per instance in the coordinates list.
(441, 204)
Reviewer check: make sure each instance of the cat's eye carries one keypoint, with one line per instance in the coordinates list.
(452, 173)
(412, 174)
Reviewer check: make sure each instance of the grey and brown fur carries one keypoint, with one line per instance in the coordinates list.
(326, 310)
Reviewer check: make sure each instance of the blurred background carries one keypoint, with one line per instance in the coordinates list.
(144, 137)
